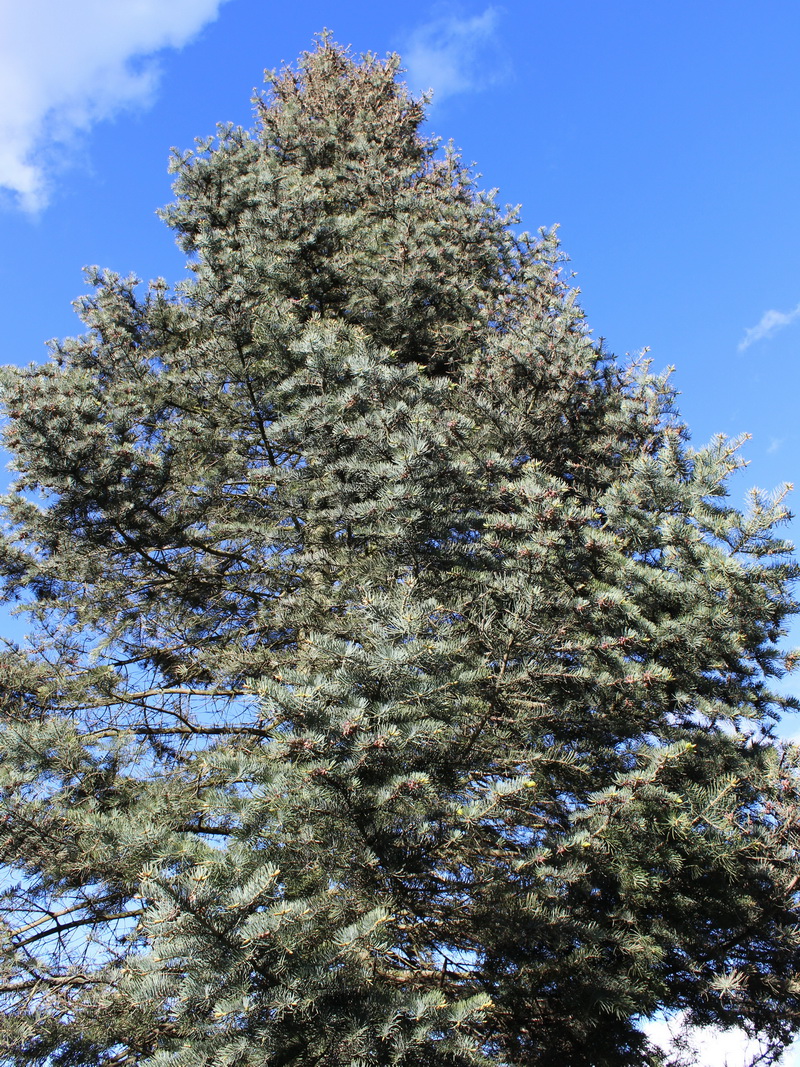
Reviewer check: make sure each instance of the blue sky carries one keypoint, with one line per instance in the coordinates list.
(664, 138)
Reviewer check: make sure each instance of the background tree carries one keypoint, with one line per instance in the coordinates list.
(397, 686)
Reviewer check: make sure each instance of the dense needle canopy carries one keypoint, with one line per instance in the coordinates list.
(397, 687)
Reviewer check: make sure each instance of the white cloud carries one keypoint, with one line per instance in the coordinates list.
(770, 322)
(66, 64)
(712, 1047)
(455, 54)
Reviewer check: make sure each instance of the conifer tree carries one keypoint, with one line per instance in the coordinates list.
(397, 689)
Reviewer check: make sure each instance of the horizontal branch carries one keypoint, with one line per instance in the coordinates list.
(59, 981)
(176, 690)
(54, 916)
(89, 920)
(178, 731)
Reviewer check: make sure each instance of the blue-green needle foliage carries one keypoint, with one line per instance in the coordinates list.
(397, 687)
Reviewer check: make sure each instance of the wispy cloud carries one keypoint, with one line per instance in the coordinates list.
(769, 323)
(65, 66)
(454, 53)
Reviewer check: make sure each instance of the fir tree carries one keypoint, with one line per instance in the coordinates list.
(398, 682)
